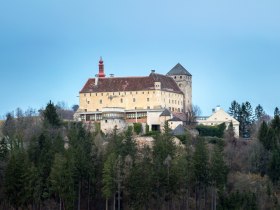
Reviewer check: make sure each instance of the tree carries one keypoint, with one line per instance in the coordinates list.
(50, 115)
(192, 113)
(276, 111)
(201, 170)
(75, 107)
(140, 184)
(230, 134)
(108, 178)
(234, 110)
(262, 135)
(259, 112)
(15, 179)
(218, 174)
(9, 127)
(274, 166)
(62, 182)
(245, 119)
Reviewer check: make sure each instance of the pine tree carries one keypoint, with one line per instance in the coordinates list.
(62, 182)
(201, 170)
(276, 111)
(108, 178)
(274, 166)
(140, 184)
(262, 135)
(234, 110)
(218, 174)
(15, 185)
(50, 116)
(259, 112)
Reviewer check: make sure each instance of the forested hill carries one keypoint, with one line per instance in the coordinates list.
(48, 163)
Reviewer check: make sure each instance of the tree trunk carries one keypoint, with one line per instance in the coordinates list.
(88, 194)
(79, 197)
(106, 203)
(114, 202)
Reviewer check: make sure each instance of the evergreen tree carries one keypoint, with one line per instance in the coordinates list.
(276, 111)
(262, 135)
(234, 110)
(62, 182)
(246, 119)
(15, 187)
(50, 116)
(201, 170)
(108, 178)
(259, 112)
(274, 166)
(140, 183)
(218, 174)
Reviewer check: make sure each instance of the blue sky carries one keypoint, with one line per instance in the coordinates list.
(48, 49)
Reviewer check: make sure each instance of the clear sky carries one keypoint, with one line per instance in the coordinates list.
(48, 49)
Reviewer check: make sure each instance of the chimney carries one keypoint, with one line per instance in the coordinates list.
(101, 68)
(218, 108)
(96, 80)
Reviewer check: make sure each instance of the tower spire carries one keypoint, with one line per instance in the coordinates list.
(101, 68)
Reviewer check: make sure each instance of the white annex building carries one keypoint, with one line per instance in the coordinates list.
(219, 116)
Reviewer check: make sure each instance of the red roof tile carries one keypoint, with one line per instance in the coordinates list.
(118, 84)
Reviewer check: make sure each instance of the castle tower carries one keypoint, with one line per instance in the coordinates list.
(184, 81)
(101, 68)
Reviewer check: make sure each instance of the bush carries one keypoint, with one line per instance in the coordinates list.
(217, 131)
(137, 127)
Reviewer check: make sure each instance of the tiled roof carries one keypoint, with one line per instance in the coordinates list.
(118, 84)
(178, 70)
(180, 115)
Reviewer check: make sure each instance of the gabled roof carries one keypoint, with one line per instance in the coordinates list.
(221, 116)
(118, 84)
(165, 113)
(176, 119)
(178, 70)
(179, 130)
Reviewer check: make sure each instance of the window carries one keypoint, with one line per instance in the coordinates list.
(148, 99)
(101, 94)
(134, 100)
(121, 100)
(106, 121)
(88, 102)
(100, 101)
(85, 94)
(180, 77)
(148, 107)
(96, 94)
(90, 94)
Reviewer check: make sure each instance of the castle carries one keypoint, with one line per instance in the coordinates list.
(150, 100)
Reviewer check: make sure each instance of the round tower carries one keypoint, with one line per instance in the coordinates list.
(184, 81)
